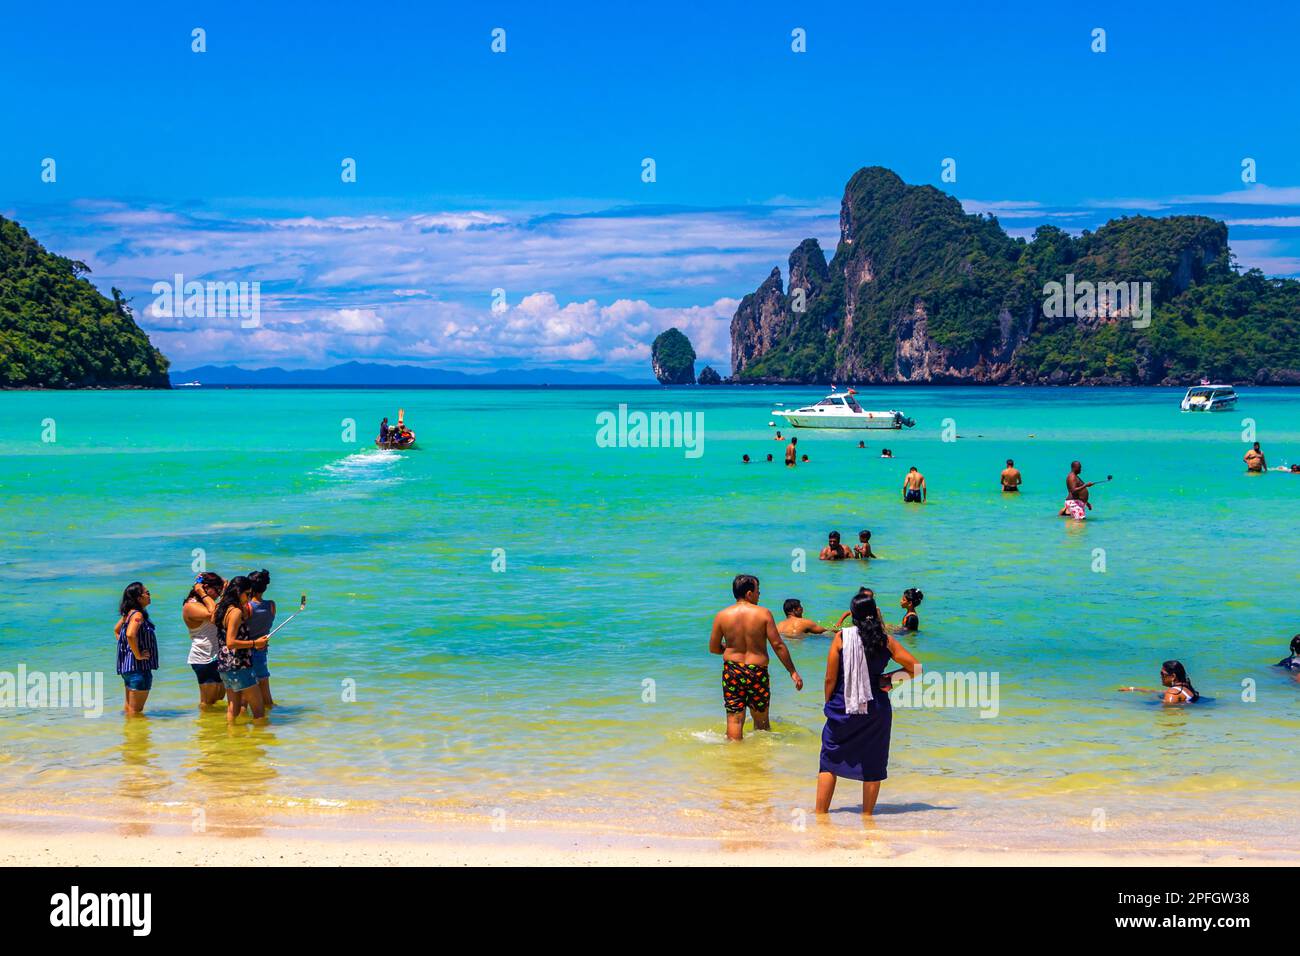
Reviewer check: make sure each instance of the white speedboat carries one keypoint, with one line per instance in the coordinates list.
(841, 410)
(188, 384)
(1209, 398)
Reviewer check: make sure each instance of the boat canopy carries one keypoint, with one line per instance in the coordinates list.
(838, 401)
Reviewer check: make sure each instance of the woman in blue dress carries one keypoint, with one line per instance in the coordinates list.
(855, 740)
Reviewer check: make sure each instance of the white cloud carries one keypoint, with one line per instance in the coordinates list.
(355, 320)
(1256, 195)
(1267, 255)
(590, 288)
(1278, 222)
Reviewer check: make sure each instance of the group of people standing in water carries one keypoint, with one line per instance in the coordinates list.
(229, 624)
(859, 717)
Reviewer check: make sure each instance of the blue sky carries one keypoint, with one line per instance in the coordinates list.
(522, 170)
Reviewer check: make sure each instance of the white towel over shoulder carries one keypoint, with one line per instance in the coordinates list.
(857, 677)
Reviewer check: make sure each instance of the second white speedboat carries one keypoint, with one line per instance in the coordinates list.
(1209, 398)
(841, 410)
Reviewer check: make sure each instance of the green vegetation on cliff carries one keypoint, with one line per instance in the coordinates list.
(673, 358)
(918, 290)
(58, 331)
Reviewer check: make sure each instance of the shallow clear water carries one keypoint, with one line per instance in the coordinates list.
(523, 689)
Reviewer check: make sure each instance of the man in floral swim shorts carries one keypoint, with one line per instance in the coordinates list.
(745, 685)
(1073, 508)
(741, 634)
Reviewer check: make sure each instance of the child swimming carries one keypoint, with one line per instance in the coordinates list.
(863, 548)
(910, 601)
(1178, 687)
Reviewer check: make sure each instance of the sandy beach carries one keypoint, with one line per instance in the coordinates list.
(523, 850)
(39, 840)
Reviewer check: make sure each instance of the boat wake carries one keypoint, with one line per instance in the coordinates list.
(374, 468)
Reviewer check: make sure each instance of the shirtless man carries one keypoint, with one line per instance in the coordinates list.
(1254, 459)
(790, 452)
(1011, 477)
(795, 624)
(1076, 489)
(741, 634)
(834, 551)
(914, 486)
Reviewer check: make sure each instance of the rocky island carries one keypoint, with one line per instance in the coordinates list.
(672, 358)
(918, 291)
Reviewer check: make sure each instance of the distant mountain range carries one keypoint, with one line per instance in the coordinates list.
(365, 374)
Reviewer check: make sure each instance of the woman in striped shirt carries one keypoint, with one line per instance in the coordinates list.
(137, 647)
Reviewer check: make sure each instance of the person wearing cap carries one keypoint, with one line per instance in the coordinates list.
(197, 613)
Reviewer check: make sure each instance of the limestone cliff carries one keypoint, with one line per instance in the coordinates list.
(918, 291)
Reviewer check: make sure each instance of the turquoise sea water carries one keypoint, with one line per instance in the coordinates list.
(524, 691)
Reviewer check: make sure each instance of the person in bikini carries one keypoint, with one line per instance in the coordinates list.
(795, 624)
(1177, 688)
(834, 551)
(741, 633)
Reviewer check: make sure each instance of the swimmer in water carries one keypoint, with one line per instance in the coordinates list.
(863, 547)
(1076, 504)
(1292, 663)
(1011, 477)
(769, 457)
(1254, 459)
(1178, 688)
(834, 551)
(778, 436)
(862, 444)
(790, 452)
(910, 601)
(914, 486)
(795, 624)
(880, 616)
(745, 459)
(804, 458)
(886, 453)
